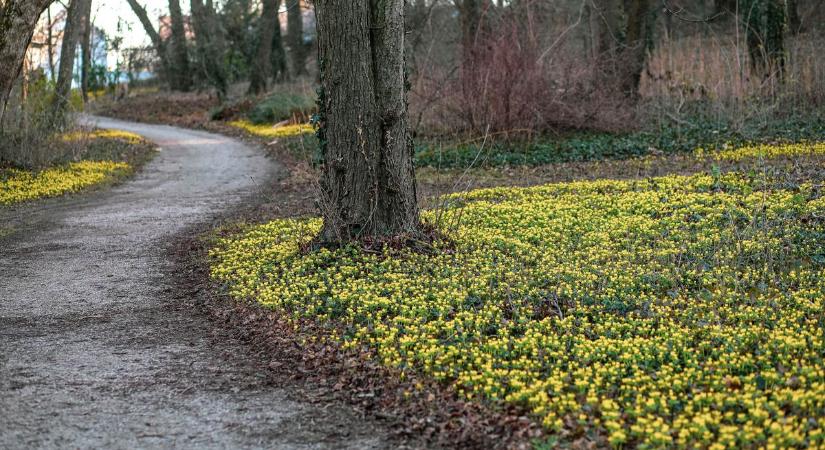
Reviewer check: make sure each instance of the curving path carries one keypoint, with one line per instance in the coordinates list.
(93, 353)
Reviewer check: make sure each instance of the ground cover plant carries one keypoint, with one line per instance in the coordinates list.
(499, 150)
(670, 311)
(88, 158)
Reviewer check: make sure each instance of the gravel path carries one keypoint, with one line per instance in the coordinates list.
(94, 352)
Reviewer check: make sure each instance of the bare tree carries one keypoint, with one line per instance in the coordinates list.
(71, 36)
(368, 178)
(262, 64)
(18, 18)
(157, 42)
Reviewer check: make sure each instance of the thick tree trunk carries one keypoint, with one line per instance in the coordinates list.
(210, 44)
(180, 77)
(368, 178)
(157, 42)
(65, 71)
(262, 65)
(86, 49)
(295, 37)
(18, 19)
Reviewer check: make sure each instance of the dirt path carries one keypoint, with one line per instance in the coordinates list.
(95, 352)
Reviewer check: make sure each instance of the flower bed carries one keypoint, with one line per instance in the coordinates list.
(674, 311)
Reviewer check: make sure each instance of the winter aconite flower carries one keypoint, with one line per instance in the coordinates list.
(674, 311)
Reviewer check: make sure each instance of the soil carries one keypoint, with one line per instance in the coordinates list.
(103, 344)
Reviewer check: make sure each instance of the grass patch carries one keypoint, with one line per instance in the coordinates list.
(673, 311)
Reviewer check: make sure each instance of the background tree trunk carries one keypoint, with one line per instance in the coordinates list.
(278, 54)
(295, 37)
(50, 41)
(469, 12)
(794, 21)
(210, 44)
(86, 49)
(607, 29)
(262, 64)
(179, 76)
(634, 53)
(368, 178)
(18, 19)
(71, 36)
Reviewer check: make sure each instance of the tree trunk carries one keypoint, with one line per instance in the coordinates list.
(18, 19)
(86, 48)
(179, 76)
(71, 36)
(210, 44)
(295, 37)
(634, 53)
(278, 54)
(765, 22)
(50, 42)
(154, 36)
(469, 12)
(794, 21)
(262, 65)
(368, 178)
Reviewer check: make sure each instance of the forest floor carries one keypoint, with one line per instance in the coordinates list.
(106, 338)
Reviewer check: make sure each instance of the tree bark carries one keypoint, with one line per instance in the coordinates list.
(262, 65)
(179, 76)
(295, 37)
(86, 48)
(210, 44)
(368, 178)
(71, 36)
(18, 19)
